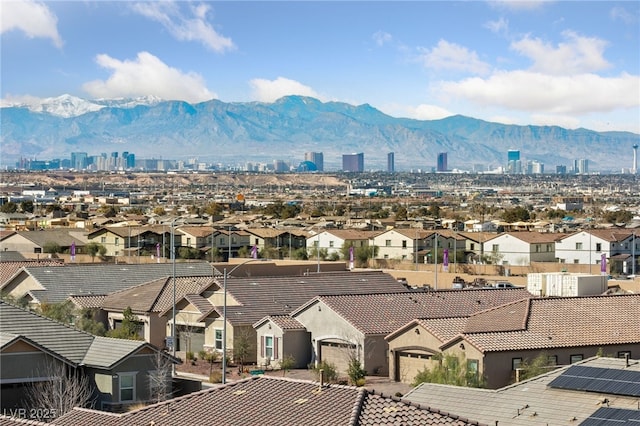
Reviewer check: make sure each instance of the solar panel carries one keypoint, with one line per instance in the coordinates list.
(606, 416)
(601, 380)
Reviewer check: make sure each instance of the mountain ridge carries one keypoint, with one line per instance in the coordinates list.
(219, 132)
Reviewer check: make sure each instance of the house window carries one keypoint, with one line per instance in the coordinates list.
(103, 240)
(623, 354)
(404, 244)
(330, 243)
(552, 360)
(578, 246)
(189, 241)
(537, 248)
(548, 248)
(117, 241)
(127, 387)
(386, 256)
(576, 358)
(268, 347)
(472, 367)
(598, 246)
(472, 246)
(576, 260)
(218, 339)
(387, 243)
(495, 248)
(221, 241)
(316, 243)
(515, 363)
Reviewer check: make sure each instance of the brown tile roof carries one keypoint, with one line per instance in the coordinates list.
(444, 329)
(534, 237)
(393, 310)
(202, 304)
(559, 322)
(196, 231)
(88, 301)
(273, 401)
(611, 235)
(285, 322)
(353, 234)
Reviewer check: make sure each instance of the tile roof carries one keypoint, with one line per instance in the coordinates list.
(11, 256)
(284, 322)
(273, 401)
(353, 234)
(532, 237)
(84, 279)
(261, 296)
(89, 301)
(394, 310)
(63, 236)
(516, 404)
(557, 322)
(11, 268)
(75, 346)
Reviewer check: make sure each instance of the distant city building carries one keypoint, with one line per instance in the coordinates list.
(316, 158)
(581, 166)
(561, 170)
(279, 166)
(442, 162)
(79, 160)
(535, 168)
(391, 166)
(353, 162)
(514, 164)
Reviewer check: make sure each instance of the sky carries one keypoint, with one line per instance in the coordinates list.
(568, 63)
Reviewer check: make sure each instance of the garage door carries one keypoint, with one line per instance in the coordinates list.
(408, 364)
(337, 354)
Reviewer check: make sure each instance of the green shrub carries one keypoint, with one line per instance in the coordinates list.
(329, 371)
(355, 371)
(190, 356)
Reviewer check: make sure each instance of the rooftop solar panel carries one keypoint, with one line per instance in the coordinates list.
(606, 416)
(601, 380)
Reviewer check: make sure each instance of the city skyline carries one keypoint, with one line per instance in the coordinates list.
(538, 62)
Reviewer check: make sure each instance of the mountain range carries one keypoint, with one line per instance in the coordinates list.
(239, 132)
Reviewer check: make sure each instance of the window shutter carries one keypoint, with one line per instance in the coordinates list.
(262, 346)
(275, 347)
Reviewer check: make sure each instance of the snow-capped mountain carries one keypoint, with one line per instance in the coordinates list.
(219, 132)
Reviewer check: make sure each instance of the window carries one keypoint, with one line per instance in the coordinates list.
(537, 248)
(404, 244)
(548, 248)
(495, 248)
(218, 339)
(117, 241)
(576, 358)
(127, 386)
(221, 241)
(387, 243)
(316, 243)
(576, 260)
(472, 246)
(103, 240)
(598, 246)
(330, 243)
(386, 256)
(268, 347)
(623, 354)
(515, 363)
(472, 367)
(189, 241)
(578, 246)
(552, 360)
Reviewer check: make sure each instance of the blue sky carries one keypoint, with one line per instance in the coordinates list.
(567, 63)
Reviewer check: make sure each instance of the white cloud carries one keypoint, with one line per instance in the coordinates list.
(31, 17)
(451, 56)
(187, 28)
(147, 75)
(576, 55)
(620, 13)
(381, 38)
(540, 93)
(501, 26)
(271, 90)
(518, 5)
(428, 112)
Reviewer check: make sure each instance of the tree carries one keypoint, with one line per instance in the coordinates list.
(8, 207)
(85, 321)
(159, 378)
(329, 371)
(93, 249)
(129, 328)
(287, 363)
(401, 213)
(159, 211)
(355, 372)
(51, 247)
(516, 214)
(63, 312)
(539, 365)
(300, 254)
(450, 369)
(243, 343)
(26, 206)
(66, 388)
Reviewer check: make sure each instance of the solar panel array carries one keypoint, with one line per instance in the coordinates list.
(601, 380)
(606, 416)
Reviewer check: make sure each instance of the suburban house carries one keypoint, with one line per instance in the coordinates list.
(275, 401)
(474, 241)
(279, 239)
(565, 329)
(343, 327)
(146, 302)
(33, 348)
(401, 244)
(197, 237)
(34, 244)
(334, 240)
(250, 299)
(521, 248)
(229, 241)
(51, 284)
(279, 337)
(595, 391)
(127, 241)
(617, 245)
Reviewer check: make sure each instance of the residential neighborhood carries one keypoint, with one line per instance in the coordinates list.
(347, 305)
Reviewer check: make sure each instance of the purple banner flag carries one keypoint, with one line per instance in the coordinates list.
(351, 257)
(445, 260)
(603, 264)
(158, 252)
(254, 252)
(73, 251)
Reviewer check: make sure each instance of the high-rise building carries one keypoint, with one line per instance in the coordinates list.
(581, 166)
(79, 160)
(316, 158)
(391, 165)
(442, 162)
(513, 161)
(353, 162)
(279, 166)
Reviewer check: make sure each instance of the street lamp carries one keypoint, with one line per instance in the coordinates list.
(173, 323)
(224, 316)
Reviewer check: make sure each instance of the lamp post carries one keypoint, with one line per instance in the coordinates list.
(633, 255)
(173, 323)
(435, 261)
(224, 315)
